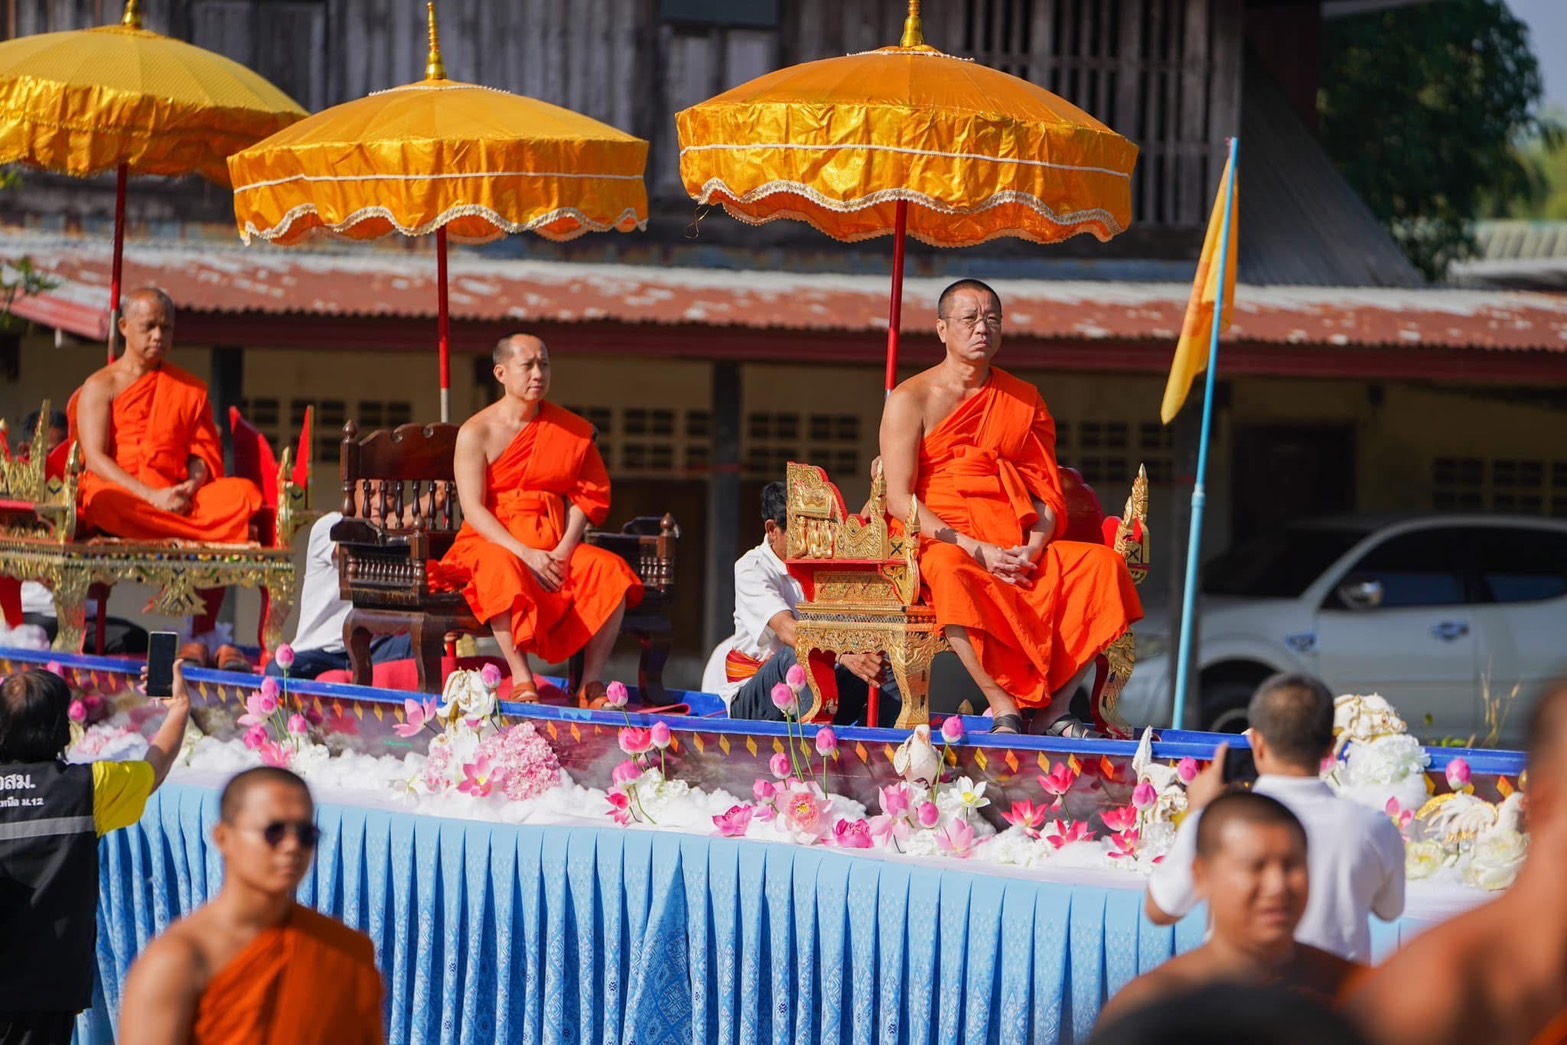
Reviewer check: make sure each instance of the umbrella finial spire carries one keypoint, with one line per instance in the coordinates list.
(435, 68)
(913, 28)
(132, 17)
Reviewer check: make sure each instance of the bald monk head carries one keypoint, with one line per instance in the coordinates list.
(522, 366)
(266, 830)
(1498, 973)
(968, 321)
(147, 325)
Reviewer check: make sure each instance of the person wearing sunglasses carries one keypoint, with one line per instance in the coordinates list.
(52, 814)
(253, 964)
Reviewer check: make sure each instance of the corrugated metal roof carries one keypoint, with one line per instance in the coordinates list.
(370, 282)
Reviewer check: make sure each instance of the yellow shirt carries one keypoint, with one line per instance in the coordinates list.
(119, 793)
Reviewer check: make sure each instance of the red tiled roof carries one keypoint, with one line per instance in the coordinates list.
(368, 282)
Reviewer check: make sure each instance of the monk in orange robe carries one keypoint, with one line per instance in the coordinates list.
(1025, 612)
(530, 481)
(154, 462)
(253, 965)
(1498, 973)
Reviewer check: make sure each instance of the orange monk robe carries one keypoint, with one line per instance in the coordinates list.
(155, 427)
(978, 471)
(551, 462)
(310, 981)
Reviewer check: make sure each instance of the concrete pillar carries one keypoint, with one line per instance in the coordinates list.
(723, 504)
(226, 389)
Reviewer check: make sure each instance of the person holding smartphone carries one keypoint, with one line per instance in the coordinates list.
(52, 814)
(1355, 854)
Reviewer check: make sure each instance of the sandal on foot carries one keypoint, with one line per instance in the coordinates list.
(525, 692)
(591, 695)
(1070, 727)
(1007, 724)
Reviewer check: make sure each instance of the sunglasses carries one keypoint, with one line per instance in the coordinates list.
(305, 833)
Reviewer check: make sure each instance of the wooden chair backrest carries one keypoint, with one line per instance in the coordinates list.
(409, 471)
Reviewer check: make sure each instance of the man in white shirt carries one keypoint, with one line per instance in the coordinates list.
(1354, 853)
(318, 641)
(763, 647)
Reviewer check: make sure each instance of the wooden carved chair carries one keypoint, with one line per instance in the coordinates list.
(861, 582)
(406, 477)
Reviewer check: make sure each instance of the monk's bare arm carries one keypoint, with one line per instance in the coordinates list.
(1413, 1000)
(196, 474)
(165, 983)
(902, 427)
(576, 527)
(92, 435)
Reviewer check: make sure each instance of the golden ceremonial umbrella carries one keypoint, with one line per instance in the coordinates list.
(124, 98)
(847, 144)
(444, 157)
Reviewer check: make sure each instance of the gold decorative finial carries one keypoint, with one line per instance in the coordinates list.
(132, 18)
(913, 28)
(435, 69)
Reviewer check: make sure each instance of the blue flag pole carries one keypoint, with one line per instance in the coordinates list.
(1183, 661)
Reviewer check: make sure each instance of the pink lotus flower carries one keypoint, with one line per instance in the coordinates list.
(628, 772)
(1026, 815)
(1122, 818)
(77, 712)
(313, 714)
(952, 730)
(660, 735)
(826, 742)
(93, 704)
(1059, 836)
(476, 779)
(1400, 815)
(1459, 775)
(1058, 782)
(1125, 845)
(255, 736)
(928, 815)
(619, 806)
(616, 695)
(1187, 769)
(804, 809)
(957, 838)
(634, 740)
(54, 668)
(851, 834)
(276, 755)
(258, 709)
(285, 656)
(889, 830)
(734, 822)
(490, 677)
(786, 699)
(419, 715)
(795, 677)
(895, 800)
(270, 687)
(763, 790)
(298, 726)
(1144, 796)
(780, 766)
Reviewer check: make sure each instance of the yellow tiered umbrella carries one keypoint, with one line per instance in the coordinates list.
(444, 157)
(123, 98)
(848, 144)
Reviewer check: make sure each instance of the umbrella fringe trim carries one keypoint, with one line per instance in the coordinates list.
(716, 191)
(585, 224)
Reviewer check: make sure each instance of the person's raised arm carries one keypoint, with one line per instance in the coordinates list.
(468, 468)
(165, 744)
(161, 992)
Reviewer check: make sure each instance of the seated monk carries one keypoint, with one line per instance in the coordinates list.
(253, 965)
(1251, 868)
(1498, 973)
(1025, 613)
(530, 479)
(154, 462)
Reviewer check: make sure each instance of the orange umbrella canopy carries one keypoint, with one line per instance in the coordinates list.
(976, 153)
(439, 154)
(87, 101)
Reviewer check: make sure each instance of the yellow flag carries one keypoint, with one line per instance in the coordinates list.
(1191, 352)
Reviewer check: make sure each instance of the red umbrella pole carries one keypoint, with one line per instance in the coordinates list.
(895, 309)
(121, 176)
(446, 326)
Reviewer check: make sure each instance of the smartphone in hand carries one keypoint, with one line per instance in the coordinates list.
(163, 649)
(1239, 766)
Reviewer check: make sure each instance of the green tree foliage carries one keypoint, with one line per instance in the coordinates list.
(1422, 108)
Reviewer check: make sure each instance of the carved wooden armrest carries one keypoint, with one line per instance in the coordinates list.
(293, 504)
(1129, 535)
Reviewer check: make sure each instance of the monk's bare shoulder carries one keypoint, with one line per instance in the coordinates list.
(176, 957)
(1421, 993)
(1170, 978)
(905, 407)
